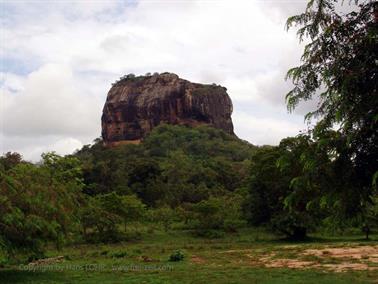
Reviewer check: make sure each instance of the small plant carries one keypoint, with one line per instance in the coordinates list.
(177, 256)
(120, 254)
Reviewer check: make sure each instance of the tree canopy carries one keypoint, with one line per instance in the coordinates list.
(339, 66)
(38, 203)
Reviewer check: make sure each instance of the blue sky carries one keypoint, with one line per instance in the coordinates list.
(59, 58)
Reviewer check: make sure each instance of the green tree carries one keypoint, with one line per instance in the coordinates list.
(143, 180)
(339, 64)
(99, 224)
(39, 204)
(266, 188)
(172, 165)
(103, 214)
(279, 194)
(132, 209)
(217, 213)
(164, 215)
(304, 168)
(9, 160)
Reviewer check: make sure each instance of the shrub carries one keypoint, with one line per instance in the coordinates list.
(217, 213)
(177, 256)
(38, 204)
(104, 213)
(164, 216)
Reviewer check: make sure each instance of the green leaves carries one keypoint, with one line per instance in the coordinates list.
(38, 203)
(375, 179)
(103, 214)
(338, 63)
(174, 164)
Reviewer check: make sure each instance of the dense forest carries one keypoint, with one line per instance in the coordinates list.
(199, 179)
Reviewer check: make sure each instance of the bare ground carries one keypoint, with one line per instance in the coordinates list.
(337, 259)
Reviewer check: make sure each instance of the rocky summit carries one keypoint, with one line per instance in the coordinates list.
(135, 105)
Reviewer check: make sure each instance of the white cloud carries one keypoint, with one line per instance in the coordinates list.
(61, 147)
(268, 130)
(50, 103)
(32, 147)
(78, 48)
(64, 146)
(11, 82)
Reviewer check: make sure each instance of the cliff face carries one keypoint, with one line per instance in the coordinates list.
(136, 105)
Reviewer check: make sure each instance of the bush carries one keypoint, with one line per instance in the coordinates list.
(177, 256)
(164, 216)
(105, 213)
(38, 204)
(217, 213)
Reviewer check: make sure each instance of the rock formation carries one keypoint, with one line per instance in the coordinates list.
(135, 105)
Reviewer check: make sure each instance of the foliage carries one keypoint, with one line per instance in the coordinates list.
(39, 203)
(98, 223)
(339, 65)
(279, 194)
(164, 215)
(267, 187)
(177, 256)
(217, 213)
(104, 213)
(369, 218)
(173, 165)
(9, 160)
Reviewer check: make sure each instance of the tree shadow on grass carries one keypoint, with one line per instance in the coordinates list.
(325, 239)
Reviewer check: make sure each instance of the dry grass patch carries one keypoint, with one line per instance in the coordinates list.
(337, 259)
(360, 252)
(196, 259)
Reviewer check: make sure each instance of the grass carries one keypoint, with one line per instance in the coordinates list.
(236, 258)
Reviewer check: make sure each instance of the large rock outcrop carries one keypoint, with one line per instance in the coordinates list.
(135, 105)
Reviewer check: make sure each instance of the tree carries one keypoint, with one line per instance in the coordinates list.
(132, 209)
(304, 168)
(9, 160)
(98, 222)
(370, 218)
(266, 188)
(339, 64)
(143, 180)
(39, 204)
(280, 195)
(217, 213)
(164, 215)
(104, 213)
(172, 165)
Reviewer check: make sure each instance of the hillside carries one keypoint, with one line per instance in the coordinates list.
(173, 164)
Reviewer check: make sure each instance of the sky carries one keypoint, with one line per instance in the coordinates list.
(59, 58)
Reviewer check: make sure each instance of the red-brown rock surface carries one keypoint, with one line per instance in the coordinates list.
(136, 105)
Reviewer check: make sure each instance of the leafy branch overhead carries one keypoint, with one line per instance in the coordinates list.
(339, 68)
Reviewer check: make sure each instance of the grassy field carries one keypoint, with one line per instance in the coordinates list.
(250, 256)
